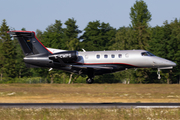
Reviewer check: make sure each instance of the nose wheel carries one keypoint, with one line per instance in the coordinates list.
(89, 80)
(158, 73)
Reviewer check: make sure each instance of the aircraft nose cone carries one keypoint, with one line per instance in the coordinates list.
(173, 64)
(161, 62)
(170, 63)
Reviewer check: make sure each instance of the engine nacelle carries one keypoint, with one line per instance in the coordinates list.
(66, 57)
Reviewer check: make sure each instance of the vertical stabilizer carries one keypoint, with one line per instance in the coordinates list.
(29, 43)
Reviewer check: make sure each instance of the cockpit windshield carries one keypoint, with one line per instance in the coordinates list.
(147, 54)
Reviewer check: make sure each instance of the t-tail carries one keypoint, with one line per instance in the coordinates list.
(36, 54)
(29, 43)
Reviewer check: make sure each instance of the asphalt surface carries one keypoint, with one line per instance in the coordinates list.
(89, 105)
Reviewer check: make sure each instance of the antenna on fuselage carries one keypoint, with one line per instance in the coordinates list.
(50, 69)
(83, 50)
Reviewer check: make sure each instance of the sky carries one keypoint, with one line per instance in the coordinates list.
(39, 14)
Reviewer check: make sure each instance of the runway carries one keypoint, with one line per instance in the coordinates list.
(89, 105)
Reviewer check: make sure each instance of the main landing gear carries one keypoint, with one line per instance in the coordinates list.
(89, 80)
(90, 74)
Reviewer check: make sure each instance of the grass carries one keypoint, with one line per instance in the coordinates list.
(89, 114)
(64, 93)
(84, 93)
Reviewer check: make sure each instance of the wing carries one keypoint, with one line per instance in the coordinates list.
(92, 66)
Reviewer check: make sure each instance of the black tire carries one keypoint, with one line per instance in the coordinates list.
(89, 80)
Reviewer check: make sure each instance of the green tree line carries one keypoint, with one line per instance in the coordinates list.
(162, 41)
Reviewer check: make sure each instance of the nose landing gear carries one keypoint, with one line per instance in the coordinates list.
(158, 73)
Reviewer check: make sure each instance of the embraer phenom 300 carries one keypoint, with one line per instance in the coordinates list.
(90, 63)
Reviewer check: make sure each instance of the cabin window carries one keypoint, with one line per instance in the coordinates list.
(120, 55)
(105, 56)
(97, 56)
(112, 56)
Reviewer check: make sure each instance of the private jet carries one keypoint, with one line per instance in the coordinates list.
(89, 63)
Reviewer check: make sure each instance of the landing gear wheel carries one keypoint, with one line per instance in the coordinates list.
(89, 80)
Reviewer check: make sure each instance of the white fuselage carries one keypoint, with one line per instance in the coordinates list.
(126, 57)
(133, 58)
